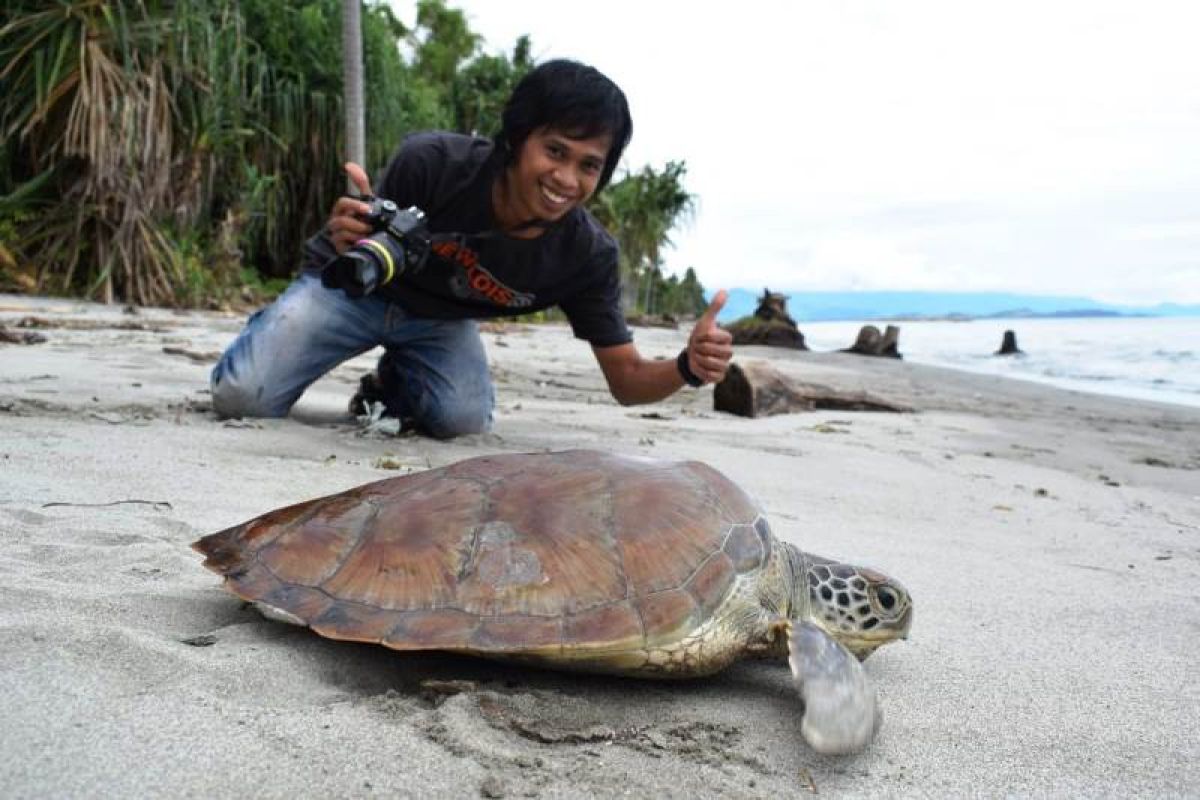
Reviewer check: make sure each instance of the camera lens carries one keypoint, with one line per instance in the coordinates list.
(366, 266)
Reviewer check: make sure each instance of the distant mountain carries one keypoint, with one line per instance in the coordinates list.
(822, 306)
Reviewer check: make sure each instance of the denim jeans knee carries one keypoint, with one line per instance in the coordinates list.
(237, 388)
(435, 373)
(458, 417)
(232, 398)
(285, 347)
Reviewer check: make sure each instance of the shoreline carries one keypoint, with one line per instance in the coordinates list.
(1110, 348)
(14, 307)
(1049, 538)
(1122, 392)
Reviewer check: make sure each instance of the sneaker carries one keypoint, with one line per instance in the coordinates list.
(370, 392)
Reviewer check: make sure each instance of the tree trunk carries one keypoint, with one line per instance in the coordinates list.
(352, 89)
(630, 289)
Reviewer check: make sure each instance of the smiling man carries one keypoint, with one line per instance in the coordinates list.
(508, 235)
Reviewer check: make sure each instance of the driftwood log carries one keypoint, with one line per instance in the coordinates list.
(756, 389)
(871, 342)
(1008, 346)
(20, 337)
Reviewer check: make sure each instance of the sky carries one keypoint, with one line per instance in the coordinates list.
(1047, 147)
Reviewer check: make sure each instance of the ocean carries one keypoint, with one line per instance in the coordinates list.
(1147, 358)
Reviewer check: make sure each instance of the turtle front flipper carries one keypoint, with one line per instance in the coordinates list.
(841, 713)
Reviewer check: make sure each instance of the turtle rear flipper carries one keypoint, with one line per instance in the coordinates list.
(841, 713)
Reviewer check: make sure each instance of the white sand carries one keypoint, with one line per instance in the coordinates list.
(1051, 541)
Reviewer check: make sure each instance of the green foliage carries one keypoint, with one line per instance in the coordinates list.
(398, 100)
(182, 152)
(640, 210)
(679, 297)
(481, 88)
(443, 42)
(88, 100)
(298, 37)
(12, 278)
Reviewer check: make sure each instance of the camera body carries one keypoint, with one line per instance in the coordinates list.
(399, 242)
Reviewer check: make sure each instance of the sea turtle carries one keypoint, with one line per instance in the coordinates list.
(580, 560)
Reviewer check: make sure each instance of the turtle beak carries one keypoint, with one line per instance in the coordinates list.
(906, 623)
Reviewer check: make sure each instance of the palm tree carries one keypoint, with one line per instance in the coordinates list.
(640, 210)
(89, 110)
(140, 140)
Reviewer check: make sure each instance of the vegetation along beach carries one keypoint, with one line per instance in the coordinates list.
(163, 167)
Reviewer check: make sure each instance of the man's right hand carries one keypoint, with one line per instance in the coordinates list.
(346, 224)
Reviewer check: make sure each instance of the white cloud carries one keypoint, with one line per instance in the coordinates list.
(934, 144)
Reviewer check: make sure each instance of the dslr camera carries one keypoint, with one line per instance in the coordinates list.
(399, 241)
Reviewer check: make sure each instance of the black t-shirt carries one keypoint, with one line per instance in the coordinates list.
(479, 273)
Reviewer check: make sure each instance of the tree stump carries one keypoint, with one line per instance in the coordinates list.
(770, 325)
(756, 389)
(1008, 347)
(871, 342)
(772, 306)
(752, 330)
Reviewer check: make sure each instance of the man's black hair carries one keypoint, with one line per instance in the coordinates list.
(572, 98)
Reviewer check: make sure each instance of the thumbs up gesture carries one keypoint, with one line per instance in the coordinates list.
(346, 224)
(710, 347)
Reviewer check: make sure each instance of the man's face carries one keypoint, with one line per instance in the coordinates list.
(553, 174)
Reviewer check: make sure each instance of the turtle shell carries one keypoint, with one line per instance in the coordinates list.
(541, 554)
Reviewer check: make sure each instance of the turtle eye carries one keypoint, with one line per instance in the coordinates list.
(887, 597)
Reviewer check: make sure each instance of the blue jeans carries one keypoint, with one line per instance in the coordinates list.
(434, 371)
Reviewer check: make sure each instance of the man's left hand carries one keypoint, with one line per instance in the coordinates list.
(710, 347)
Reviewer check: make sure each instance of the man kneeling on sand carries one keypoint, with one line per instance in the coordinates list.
(504, 233)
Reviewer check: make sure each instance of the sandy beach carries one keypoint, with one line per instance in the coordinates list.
(1050, 539)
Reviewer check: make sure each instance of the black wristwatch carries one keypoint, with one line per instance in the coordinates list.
(685, 370)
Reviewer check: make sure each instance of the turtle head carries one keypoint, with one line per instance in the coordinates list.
(860, 607)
